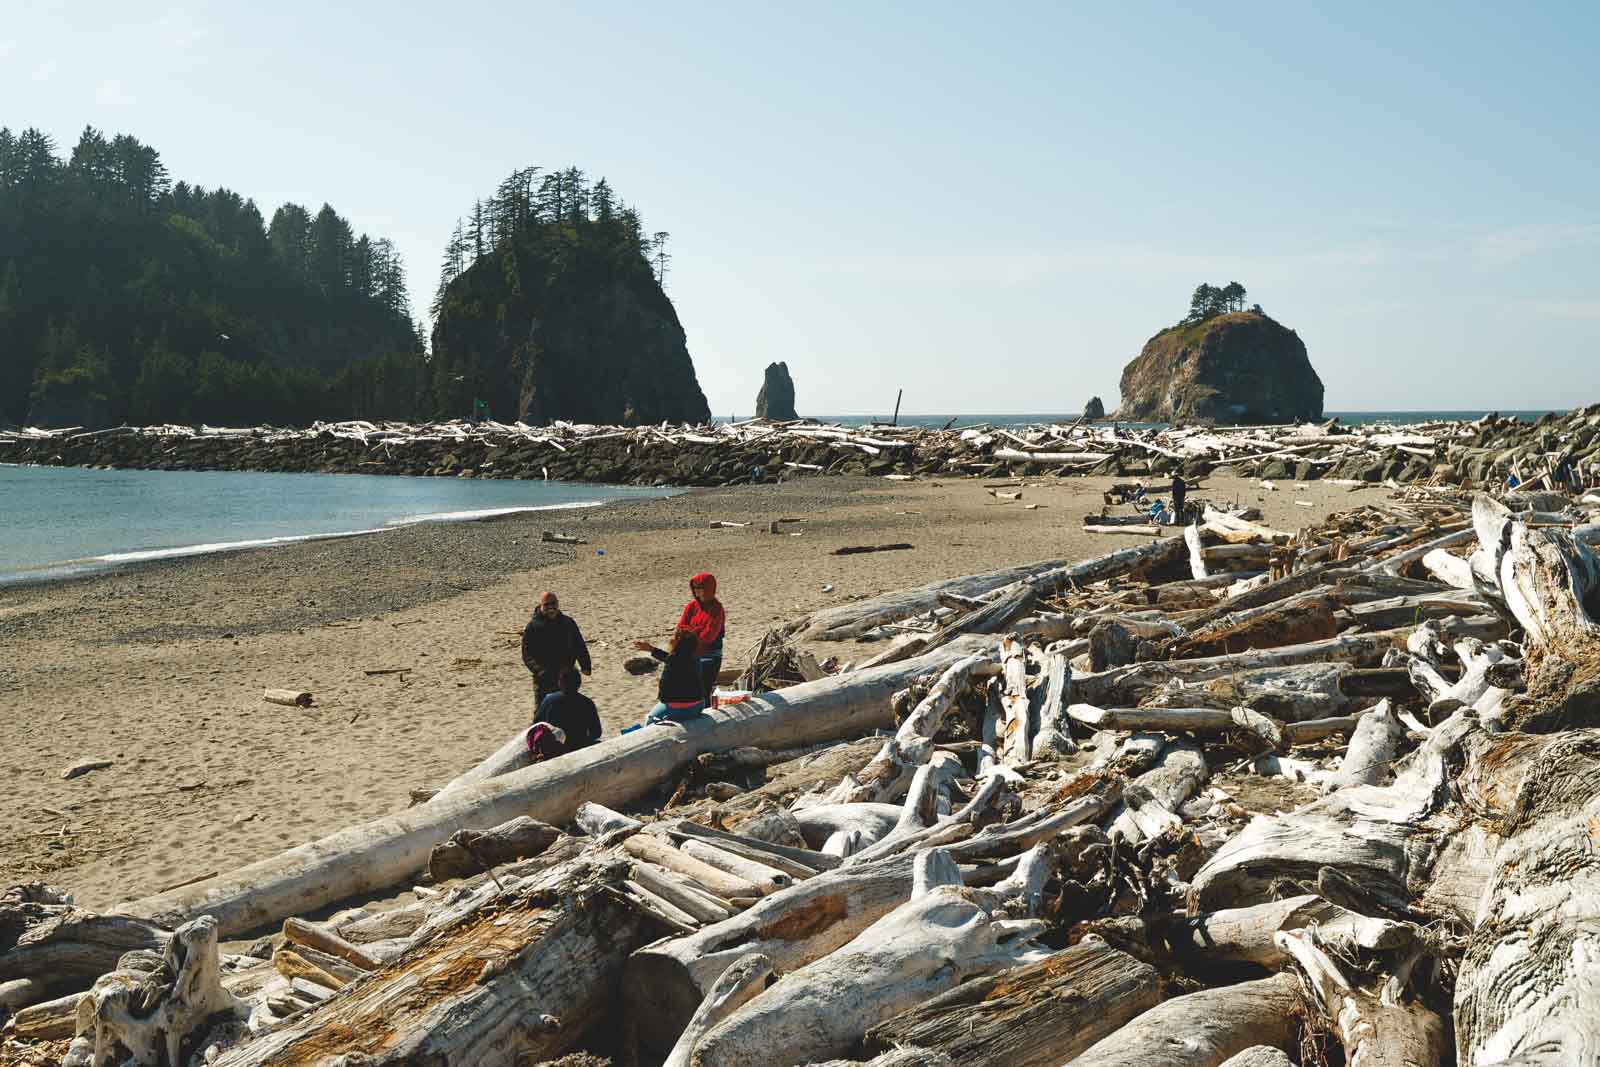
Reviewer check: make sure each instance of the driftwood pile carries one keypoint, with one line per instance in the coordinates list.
(1124, 811)
(1478, 454)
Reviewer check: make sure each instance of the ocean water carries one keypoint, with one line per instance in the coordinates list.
(1349, 418)
(60, 521)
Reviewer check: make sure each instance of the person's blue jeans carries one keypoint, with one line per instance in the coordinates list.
(661, 711)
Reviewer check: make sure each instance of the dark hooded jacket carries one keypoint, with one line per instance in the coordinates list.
(551, 644)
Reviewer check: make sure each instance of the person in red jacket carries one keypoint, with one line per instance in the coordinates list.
(704, 617)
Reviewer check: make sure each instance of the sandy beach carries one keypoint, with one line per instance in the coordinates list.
(160, 667)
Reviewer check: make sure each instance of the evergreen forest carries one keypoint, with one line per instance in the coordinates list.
(126, 296)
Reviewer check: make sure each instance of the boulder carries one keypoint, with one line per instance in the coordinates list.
(776, 399)
(1094, 409)
(1241, 367)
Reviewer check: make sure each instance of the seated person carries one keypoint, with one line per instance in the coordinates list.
(679, 695)
(573, 718)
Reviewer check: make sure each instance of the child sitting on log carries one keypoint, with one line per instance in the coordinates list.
(569, 712)
(678, 695)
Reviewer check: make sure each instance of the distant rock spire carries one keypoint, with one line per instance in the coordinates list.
(776, 399)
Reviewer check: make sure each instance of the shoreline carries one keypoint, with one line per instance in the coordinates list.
(410, 645)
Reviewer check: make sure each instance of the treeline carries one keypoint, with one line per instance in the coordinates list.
(1210, 301)
(546, 238)
(126, 296)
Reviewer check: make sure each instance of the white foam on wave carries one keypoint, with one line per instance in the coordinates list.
(489, 513)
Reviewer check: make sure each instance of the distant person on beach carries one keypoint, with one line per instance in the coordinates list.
(678, 694)
(1180, 489)
(570, 712)
(552, 642)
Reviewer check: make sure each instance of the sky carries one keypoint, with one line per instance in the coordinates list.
(992, 207)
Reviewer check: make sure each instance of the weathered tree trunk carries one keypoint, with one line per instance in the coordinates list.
(925, 946)
(62, 946)
(390, 850)
(888, 774)
(1308, 618)
(665, 982)
(1527, 991)
(1039, 1015)
(1203, 1029)
(1259, 1056)
(1246, 935)
(1376, 1031)
(150, 1013)
(1053, 738)
(470, 852)
(745, 978)
(1015, 731)
(854, 619)
(515, 977)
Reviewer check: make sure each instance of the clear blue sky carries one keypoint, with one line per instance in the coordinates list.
(992, 208)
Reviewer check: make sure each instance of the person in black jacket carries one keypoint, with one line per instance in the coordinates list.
(571, 712)
(552, 642)
(678, 695)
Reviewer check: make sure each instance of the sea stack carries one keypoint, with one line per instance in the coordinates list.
(776, 399)
(1094, 409)
(1232, 368)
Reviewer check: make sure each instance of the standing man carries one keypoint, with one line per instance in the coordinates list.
(552, 642)
(1180, 489)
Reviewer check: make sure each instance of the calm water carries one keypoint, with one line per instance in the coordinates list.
(57, 521)
(1349, 418)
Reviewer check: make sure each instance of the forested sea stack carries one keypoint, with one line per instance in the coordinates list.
(776, 399)
(551, 307)
(1222, 364)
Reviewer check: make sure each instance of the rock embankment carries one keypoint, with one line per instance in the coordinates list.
(1554, 451)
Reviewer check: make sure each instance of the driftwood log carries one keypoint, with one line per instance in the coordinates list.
(390, 850)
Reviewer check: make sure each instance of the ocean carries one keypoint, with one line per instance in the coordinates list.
(60, 521)
(1349, 418)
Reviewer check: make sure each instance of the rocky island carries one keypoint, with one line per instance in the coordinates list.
(1222, 365)
(776, 399)
(561, 315)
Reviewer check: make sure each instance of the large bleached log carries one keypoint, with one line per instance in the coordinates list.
(1203, 1029)
(1379, 836)
(1039, 1015)
(1053, 737)
(665, 982)
(1287, 694)
(61, 945)
(1246, 935)
(390, 850)
(1370, 757)
(1259, 1056)
(1296, 621)
(1128, 685)
(511, 976)
(1015, 732)
(852, 620)
(469, 852)
(872, 820)
(927, 945)
(745, 978)
(1527, 981)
